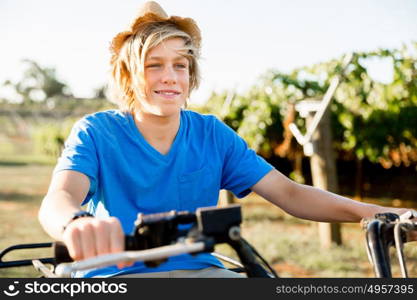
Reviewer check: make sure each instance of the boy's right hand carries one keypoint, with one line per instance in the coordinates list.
(88, 237)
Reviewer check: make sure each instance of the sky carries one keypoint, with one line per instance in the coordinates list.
(241, 39)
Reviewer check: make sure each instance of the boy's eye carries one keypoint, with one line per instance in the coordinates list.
(153, 66)
(158, 65)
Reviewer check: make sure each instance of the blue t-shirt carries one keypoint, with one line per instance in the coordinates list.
(128, 176)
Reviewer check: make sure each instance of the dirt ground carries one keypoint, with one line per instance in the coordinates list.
(288, 244)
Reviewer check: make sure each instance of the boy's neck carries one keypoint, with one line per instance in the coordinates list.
(158, 131)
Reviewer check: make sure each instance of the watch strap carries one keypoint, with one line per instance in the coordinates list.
(77, 215)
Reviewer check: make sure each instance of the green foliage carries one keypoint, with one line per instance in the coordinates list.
(380, 118)
(370, 119)
(40, 89)
(49, 138)
(39, 84)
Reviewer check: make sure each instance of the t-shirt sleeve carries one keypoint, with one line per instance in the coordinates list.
(80, 153)
(242, 167)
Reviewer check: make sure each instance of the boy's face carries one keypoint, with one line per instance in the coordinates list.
(167, 78)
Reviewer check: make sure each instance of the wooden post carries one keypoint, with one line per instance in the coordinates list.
(324, 174)
(317, 143)
(226, 198)
(230, 197)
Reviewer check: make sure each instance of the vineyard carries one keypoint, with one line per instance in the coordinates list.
(373, 121)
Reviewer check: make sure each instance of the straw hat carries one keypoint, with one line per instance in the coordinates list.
(151, 12)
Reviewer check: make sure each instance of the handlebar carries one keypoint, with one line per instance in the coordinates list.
(382, 232)
(156, 254)
(156, 237)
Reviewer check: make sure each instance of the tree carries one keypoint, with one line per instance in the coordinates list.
(40, 85)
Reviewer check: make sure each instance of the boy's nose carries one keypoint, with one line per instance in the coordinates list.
(169, 76)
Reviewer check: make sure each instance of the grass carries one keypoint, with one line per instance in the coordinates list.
(288, 243)
(291, 247)
(23, 187)
(26, 159)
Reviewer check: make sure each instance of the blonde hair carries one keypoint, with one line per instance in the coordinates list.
(126, 82)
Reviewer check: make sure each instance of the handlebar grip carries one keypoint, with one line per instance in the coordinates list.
(61, 253)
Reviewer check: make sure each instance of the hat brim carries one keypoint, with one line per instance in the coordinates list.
(187, 25)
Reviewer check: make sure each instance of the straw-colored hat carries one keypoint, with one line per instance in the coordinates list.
(151, 12)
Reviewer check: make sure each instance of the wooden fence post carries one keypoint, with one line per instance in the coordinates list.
(324, 175)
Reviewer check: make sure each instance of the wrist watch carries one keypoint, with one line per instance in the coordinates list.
(77, 215)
